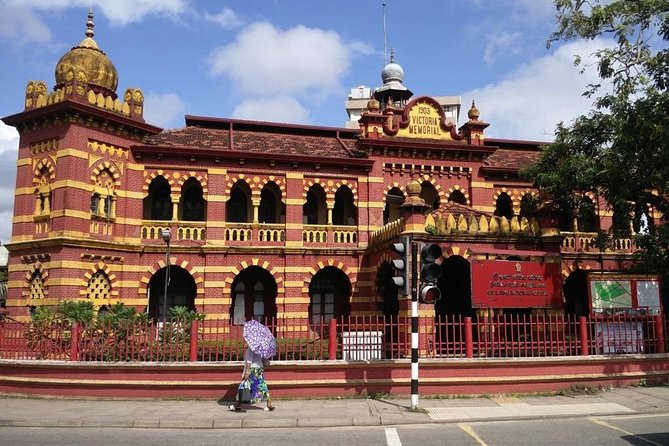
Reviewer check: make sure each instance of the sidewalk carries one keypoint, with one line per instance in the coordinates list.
(210, 414)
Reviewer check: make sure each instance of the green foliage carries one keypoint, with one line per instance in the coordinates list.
(620, 149)
(76, 310)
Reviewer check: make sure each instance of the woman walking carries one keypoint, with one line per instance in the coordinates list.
(254, 367)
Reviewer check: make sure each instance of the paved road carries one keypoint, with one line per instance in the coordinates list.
(620, 430)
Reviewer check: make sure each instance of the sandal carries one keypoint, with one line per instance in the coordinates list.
(234, 408)
(268, 408)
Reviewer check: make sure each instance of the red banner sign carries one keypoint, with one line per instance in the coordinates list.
(516, 284)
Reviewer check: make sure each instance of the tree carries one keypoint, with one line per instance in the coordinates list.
(620, 149)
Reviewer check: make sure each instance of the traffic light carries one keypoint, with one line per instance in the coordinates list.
(401, 279)
(429, 294)
(430, 272)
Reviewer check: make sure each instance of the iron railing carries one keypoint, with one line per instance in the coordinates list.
(349, 338)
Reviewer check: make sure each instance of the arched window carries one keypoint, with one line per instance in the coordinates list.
(36, 287)
(101, 198)
(99, 287)
(620, 225)
(330, 290)
(158, 204)
(314, 211)
(504, 206)
(193, 205)
(392, 209)
(586, 217)
(457, 197)
(239, 207)
(344, 212)
(643, 220)
(429, 193)
(271, 209)
(43, 193)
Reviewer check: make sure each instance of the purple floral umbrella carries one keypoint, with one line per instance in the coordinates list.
(259, 339)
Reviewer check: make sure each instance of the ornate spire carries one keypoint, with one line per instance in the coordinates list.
(90, 24)
(473, 112)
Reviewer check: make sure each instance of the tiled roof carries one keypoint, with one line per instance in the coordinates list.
(195, 137)
(512, 159)
(269, 142)
(457, 209)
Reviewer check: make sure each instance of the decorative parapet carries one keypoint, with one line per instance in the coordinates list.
(587, 242)
(462, 224)
(77, 89)
(390, 231)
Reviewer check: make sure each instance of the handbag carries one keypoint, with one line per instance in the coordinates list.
(244, 392)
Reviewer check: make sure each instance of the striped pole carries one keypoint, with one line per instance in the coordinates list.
(414, 325)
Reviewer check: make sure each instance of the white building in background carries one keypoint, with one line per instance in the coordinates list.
(359, 96)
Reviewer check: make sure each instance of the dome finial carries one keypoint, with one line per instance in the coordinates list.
(392, 55)
(90, 24)
(473, 112)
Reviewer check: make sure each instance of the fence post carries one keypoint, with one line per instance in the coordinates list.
(192, 350)
(659, 334)
(583, 332)
(469, 338)
(74, 342)
(332, 339)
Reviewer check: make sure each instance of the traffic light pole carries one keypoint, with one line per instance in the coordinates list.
(414, 325)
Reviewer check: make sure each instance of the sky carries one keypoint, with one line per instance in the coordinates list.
(296, 61)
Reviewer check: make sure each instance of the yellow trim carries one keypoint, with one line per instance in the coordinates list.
(482, 185)
(72, 152)
(294, 175)
(217, 171)
(293, 283)
(294, 202)
(371, 180)
(214, 284)
(484, 208)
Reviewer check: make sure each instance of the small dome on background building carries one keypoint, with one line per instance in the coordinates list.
(92, 61)
(392, 72)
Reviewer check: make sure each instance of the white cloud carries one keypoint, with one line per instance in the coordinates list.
(500, 45)
(164, 110)
(276, 109)
(529, 102)
(9, 144)
(120, 12)
(226, 19)
(22, 26)
(9, 139)
(264, 60)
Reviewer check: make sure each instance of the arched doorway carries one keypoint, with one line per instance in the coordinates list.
(181, 291)
(329, 295)
(253, 296)
(576, 294)
(456, 288)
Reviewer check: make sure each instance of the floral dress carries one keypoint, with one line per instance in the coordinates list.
(254, 364)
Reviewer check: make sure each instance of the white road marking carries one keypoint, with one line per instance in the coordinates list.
(392, 438)
(470, 431)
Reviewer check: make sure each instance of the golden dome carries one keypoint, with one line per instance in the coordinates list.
(373, 105)
(473, 113)
(87, 57)
(413, 187)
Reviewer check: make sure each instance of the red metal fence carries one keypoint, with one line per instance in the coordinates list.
(349, 338)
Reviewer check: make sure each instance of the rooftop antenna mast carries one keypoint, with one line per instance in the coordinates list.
(385, 43)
